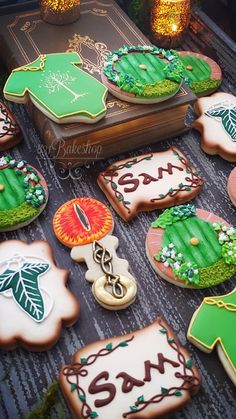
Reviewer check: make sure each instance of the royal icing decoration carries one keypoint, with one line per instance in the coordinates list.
(213, 326)
(142, 73)
(59, 88)
(85, 224)
(149, 181)
(10, 133)
(201, 73)
(192, 248)
(23, 193)
(217, 124)
(34, 299)
(144, 374)
(231, 186)
(225, 113)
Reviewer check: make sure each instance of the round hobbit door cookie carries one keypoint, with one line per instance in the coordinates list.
(142, 74)
(35, 303)
(192, 248)
(23, 194)
(201, 73)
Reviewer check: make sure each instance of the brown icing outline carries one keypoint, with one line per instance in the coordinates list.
(191, 382)
(196, 180)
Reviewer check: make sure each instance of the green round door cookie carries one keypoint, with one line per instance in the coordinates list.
(142, 74)
(192, 248)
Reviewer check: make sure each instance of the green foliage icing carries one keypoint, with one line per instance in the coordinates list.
(20, 215)
(172, 215)
(207, 252)
(159, 89)
(22, 283)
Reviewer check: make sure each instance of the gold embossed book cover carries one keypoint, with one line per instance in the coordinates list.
(102, 27)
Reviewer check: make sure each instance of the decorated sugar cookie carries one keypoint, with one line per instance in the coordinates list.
(191, 247)
(149, 181)
(217, 125)
(59, 88)
(201, 73)
(232, 186)
(10, 133)
(146, 374)
(85, 225)
(213, 326)
(34, 301)
(142, 74)
(23, 194)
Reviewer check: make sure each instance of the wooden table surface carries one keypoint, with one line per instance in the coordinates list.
(25, 376)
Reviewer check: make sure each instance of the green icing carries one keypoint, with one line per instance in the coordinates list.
(50, 400)
(159, 89)
(215, 324)
(229, 252)
(207, 252)
(225, 113)
(200, 69)
(58, 86)
(122, 68)
(213, 275)
(22, 282)
(130, 64)
(15, 216)
(13, 194)
(199, 78)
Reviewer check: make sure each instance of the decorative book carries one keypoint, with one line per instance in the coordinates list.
(102, 27)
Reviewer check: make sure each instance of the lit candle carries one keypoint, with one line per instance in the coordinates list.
(169, 20)
(60, 12)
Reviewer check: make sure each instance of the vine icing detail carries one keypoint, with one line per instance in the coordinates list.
(78, 370)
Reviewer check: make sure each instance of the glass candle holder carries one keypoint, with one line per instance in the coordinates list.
(169, 21)
(60, 12)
